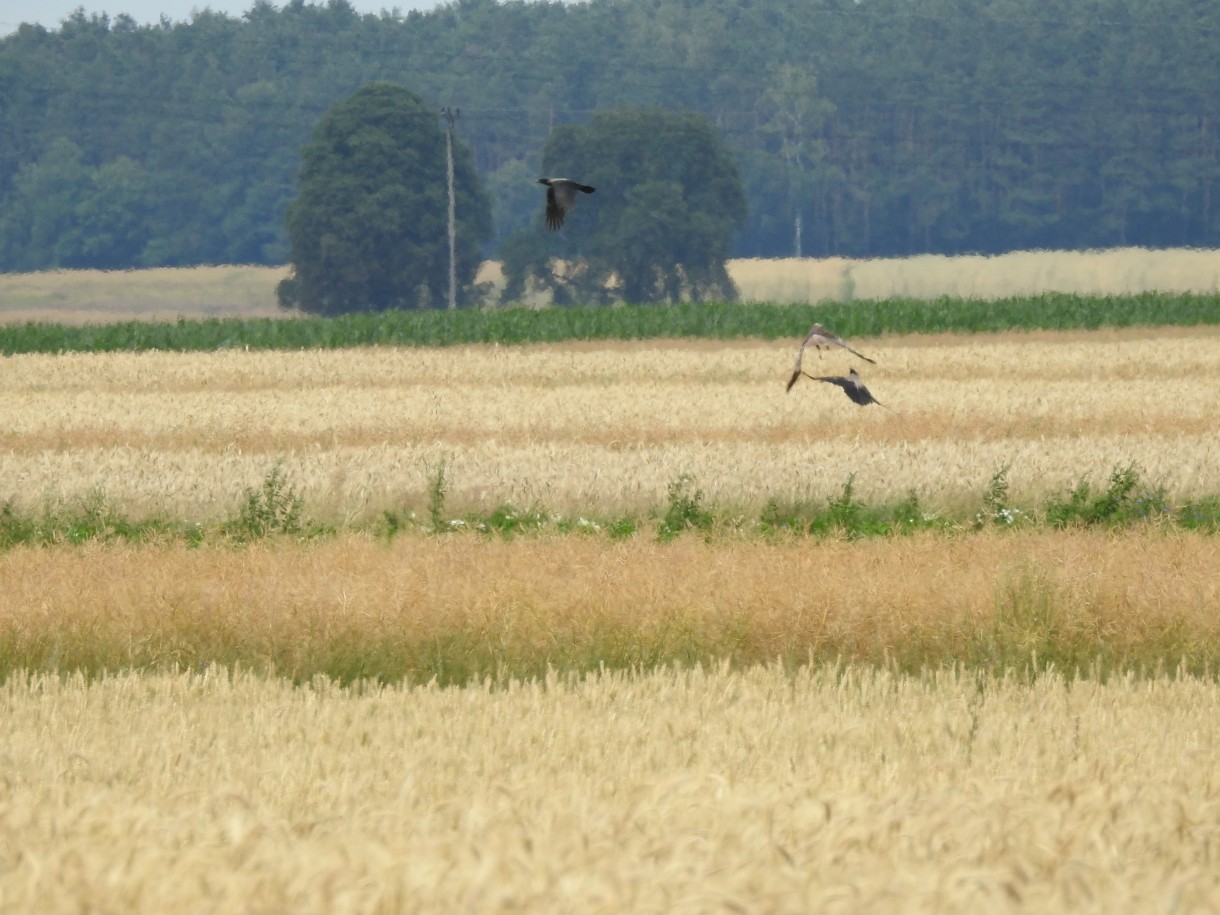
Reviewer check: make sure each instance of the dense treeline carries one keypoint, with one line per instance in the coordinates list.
(881, 127)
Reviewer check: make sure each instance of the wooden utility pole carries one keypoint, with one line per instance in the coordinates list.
(450, 116)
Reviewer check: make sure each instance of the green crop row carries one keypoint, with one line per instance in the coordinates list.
(632, 322)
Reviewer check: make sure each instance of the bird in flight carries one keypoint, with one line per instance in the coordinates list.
(851, 384)
(560, 198)
(819, 336)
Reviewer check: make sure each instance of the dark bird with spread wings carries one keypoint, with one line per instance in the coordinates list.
(819, 337)
(851, 384)
(560, 198)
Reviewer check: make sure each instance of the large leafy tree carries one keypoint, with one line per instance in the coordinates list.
(661, 225)
(369, 228)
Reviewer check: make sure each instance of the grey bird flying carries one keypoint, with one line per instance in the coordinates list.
(818, 337)
(852, 386)
(560, 198)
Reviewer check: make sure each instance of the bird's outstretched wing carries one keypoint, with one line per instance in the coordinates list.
(820, 336)
(838, 380)
(560, 198)
(852, 386)
(796, 369)
(854, 353)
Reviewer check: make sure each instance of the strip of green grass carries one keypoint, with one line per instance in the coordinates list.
(633, 322)
(276, 509)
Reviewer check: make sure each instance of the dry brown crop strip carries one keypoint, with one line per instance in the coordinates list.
(462, 607)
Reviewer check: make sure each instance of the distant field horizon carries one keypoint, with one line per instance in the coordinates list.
(248, 291)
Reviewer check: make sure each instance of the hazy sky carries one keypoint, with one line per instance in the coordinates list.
(51, 12)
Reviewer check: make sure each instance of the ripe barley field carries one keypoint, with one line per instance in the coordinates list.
(606, 427)
(836, 789)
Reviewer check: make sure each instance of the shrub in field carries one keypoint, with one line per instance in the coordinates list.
(997, 509)
(508, 520)
(909, 515)
(686, 510)
(15, 528)
(94, 519)
(1117, 503)
(788, 516)
(1201, 514)
(844, 514)
(622, 527)
(393, 522)
(272, 508)
(847, 516)
(438, 488)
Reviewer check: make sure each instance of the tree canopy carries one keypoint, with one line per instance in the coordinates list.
(861, 127)
(669, 203)
(369, 229)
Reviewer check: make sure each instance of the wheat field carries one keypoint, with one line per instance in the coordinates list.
(606, 427)
(836, 790)
(850, 732)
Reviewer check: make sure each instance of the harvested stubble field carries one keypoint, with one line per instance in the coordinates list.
(836, 790)
(244, 291)
(606, 427)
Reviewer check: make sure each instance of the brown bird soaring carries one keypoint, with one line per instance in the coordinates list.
(852, 386)
(560, 198)
(819, 336)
